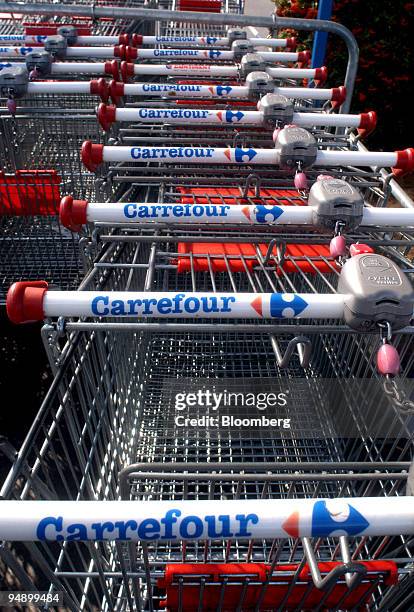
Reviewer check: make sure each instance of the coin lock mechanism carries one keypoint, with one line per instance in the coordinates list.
(241, 48)
(14, 81)
(334, 200)
(296, 146)
(236, 34)
(376, 291)
(68, 32)
(251, 62)
(40, 61)
(259, 84)
(56, 46)
(276, 109)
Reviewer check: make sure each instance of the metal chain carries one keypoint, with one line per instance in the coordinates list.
(398, 397)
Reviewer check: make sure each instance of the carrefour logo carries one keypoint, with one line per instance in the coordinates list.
(267, 214)
(241, 156)
(208, 40)
(212, 54)
(230, 116)
(17, 50)
(331, 517)
(220, 90)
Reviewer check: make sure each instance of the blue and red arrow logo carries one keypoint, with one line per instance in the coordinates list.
(229, 116)
(286, 305)
(209, 40)
(25, 50)
(213, 53)
(267, 214)
(347, 519)
(221, 90)
(240, 155)
(339, 519)
(280, 305)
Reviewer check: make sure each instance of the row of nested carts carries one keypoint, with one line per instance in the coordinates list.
(190, 208)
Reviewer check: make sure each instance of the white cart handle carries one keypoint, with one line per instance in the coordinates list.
(215, 70)
(132, 54)
(138, 40)
(110, 68)
(221, 92)
(93, 155)
(107, 115)
(97, 87)
(74, 214)
(39, 39)
(117, 51)
(30, 521)
(32, 301)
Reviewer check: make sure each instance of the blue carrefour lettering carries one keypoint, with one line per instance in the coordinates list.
(49, 528)
(130, 211)
(170, 152)
(96, 302)
(175, 53)
(169, 526)
(178, 304)
(168, 211)
(167, 113)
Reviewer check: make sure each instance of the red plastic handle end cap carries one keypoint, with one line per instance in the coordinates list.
(127, 71)
(112, 68)
(99, 87)
(291, 43)
(92, 155)
(304, 57)
(106, 116)
(405, 162)
(321, 74)
(116, 91)
(338, 96)
(24, 302)
(123, 39)
(136, 40)
(72, 213)
(367, 124)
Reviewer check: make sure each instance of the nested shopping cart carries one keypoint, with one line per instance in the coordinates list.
(232, 283)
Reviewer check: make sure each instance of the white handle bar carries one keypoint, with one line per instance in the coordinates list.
(30, 521)
(94, 154)
(42, 303)
(185, 116)
(210, 214)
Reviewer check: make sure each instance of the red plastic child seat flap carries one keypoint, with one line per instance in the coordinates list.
(246, 580)
(218, 257)
(30, 192)
(201, 6)
(45, 29)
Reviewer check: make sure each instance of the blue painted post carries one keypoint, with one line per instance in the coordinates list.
(321, 38)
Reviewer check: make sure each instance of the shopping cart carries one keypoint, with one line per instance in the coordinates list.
(160, 515)
(39, 143)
